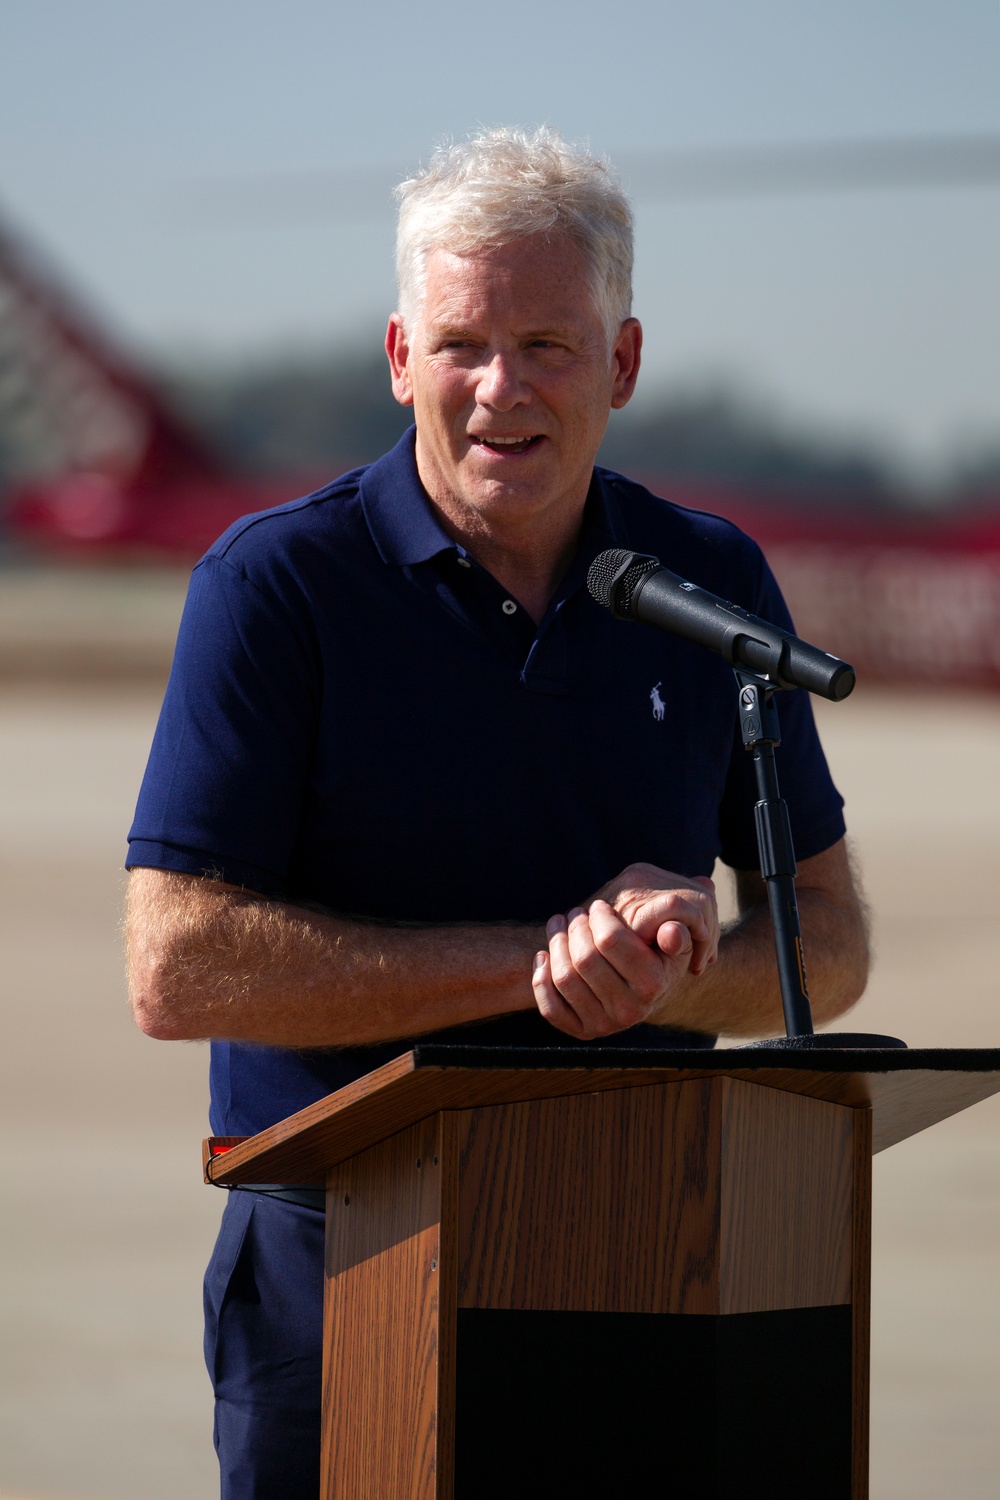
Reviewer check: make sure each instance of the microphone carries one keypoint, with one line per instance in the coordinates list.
(634, 586)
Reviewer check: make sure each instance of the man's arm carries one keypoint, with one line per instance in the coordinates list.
(596, 978)
(206, 959)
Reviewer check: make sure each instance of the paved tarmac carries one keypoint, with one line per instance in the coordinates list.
(106, 1223)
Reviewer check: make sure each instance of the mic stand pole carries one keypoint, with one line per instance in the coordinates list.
(761, 734)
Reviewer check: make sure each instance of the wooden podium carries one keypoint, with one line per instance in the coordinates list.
(589, 1272)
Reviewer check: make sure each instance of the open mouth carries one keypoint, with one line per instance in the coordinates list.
(508, 444)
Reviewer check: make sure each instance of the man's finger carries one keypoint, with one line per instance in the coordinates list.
(695, 909)
(550, 1003)
(608, 959)
(593, 987)
(574, 991)
(587, 983)
(674, 938)
(640, 972)
(633, 959)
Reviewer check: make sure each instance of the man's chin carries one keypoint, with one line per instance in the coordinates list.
(502, 497)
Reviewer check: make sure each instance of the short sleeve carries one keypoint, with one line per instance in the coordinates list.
(225, 783)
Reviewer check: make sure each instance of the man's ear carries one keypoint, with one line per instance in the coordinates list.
(397, 347)
(625, 361)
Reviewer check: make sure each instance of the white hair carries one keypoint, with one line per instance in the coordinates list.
(504, 185)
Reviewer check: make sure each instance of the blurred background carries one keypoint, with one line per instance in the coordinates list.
(195, 274)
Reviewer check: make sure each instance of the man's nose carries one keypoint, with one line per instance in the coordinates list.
(502, 384)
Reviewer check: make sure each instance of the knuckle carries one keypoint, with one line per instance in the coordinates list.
(587, 960)
(609, 939)
(562, 971)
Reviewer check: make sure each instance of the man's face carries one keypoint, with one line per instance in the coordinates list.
(508, 371)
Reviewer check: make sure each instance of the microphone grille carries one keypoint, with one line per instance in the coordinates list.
(603, 572)
(614, 576)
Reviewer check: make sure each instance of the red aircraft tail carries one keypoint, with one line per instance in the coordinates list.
(90, 439)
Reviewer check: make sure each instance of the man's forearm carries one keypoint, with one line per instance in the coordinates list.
(206, 960)
(740, 995)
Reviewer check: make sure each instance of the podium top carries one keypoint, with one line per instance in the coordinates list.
(906, 1091)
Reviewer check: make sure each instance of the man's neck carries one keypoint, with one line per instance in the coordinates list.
(529, 566)
(531, 580)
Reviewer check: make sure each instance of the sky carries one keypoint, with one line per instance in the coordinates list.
(177, 164)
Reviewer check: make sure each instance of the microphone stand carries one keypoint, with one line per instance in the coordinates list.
(761, 734)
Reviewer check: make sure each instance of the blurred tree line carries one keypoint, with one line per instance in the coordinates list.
(322, 415)
(318, 415)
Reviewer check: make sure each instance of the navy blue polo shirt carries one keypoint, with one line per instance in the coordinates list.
(359, 716)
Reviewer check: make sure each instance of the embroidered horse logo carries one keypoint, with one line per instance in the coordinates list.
(659, 707)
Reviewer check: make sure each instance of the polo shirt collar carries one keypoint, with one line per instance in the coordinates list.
(403, 526)
(406, 531)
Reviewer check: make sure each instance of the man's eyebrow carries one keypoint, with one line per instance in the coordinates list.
(460, 331)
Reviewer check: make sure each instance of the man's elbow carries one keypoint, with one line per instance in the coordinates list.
(847, 980)
(159, 955)
(155, 1008)
(154, 1017)
(160, 988)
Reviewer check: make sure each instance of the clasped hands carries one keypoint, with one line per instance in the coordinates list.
(613, 962)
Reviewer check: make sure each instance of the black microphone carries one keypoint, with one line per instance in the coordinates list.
(634, 586)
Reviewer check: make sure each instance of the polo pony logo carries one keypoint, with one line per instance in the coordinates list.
(659, 707)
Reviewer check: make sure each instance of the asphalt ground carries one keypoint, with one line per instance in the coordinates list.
(106, 1225)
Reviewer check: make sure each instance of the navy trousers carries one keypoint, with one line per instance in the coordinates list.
(264, 1347)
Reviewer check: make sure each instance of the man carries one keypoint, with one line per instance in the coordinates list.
(399, 736)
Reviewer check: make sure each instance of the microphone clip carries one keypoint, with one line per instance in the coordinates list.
(758, 712)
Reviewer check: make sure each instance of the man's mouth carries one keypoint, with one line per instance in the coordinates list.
(508, 444)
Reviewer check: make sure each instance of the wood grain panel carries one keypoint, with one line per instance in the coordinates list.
(597, 1203)
(861, 1296)
(394, 1097)
(301, 1148)
(385, 1320)
(786, 1200)
(903, 1104)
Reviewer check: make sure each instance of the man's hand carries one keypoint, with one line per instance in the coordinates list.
(612, 962)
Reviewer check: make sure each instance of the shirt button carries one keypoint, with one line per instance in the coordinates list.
(463, 562)
(509, 607)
